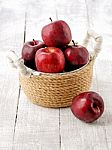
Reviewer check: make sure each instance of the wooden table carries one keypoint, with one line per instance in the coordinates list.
(25, 126)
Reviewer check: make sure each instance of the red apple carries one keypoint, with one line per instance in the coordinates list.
(56, 34)
(88, 106)
(76, 56)
(29, 49)
(28, 52)
(50, 60)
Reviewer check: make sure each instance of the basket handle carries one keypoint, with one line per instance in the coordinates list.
(98, 39)
(18, 63)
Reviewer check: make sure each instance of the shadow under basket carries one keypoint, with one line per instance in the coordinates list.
(58, 89)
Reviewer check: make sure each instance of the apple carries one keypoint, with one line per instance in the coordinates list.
(76, 56)
(28, 52)
(50, 60)
(29, 49)
(56, 34)
(88, 106)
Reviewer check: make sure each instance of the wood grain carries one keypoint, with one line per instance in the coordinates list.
(75, 14)
(81, 136)
(38, 15)
(11, 29)
(100, 19)
(11, 37)
(9, 89)
(25, 126)
(37, 127)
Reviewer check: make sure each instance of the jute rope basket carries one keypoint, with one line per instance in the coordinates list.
(56, 90)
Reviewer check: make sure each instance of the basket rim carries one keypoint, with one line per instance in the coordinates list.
(37, 73)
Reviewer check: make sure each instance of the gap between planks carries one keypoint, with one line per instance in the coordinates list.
(25, 22)
(16, 115)
(88, 26)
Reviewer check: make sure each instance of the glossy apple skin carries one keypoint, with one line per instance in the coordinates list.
(56, 34)
(29, 49)
(76, 57)
(28, 52)
(50, 60)
(88, 106)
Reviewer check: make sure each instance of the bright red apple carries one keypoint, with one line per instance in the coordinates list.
(50, 60)
(56, 34)
(76, 56)
(88, 106)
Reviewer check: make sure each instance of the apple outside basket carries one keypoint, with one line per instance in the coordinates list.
(57, 89)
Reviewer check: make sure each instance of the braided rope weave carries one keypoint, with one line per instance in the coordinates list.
(57, 90)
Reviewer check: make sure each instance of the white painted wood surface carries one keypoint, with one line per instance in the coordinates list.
(25, 126)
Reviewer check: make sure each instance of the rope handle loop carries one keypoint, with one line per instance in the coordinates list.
(18, 63)
(98, 39)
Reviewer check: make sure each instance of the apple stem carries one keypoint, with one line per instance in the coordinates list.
(50, 19)
(74, 43)
(34, 42)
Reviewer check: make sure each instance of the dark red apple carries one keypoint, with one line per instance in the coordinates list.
(29, 49)
(56, 34)
(76, 56)
(50, 60)
(28, 52)
(88, 106)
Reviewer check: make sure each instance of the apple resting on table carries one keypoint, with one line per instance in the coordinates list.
(88, 106)
(50, 60)
(76, 56)
(56, 34)
(28, 52)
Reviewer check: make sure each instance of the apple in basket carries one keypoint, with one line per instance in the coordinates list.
(76, 56)
(88, 106)
(56, 34)
(28, 52)
(50, 60)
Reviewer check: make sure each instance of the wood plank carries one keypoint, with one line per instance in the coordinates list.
(11, 37)
(100, 19)
(37, 127)
(11, 27)
(9, 90)
(71, 132)
(81, 136)
(104, 86)
(75, 14)
(74, 133)
(42, 128)
(38, 14)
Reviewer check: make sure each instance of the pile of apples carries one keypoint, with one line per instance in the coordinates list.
(54, 54)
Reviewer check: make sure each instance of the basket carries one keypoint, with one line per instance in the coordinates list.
(56, 90)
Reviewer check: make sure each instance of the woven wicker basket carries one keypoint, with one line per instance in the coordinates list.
(56, 90)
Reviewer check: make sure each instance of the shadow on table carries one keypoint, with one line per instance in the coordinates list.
(105, 120)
